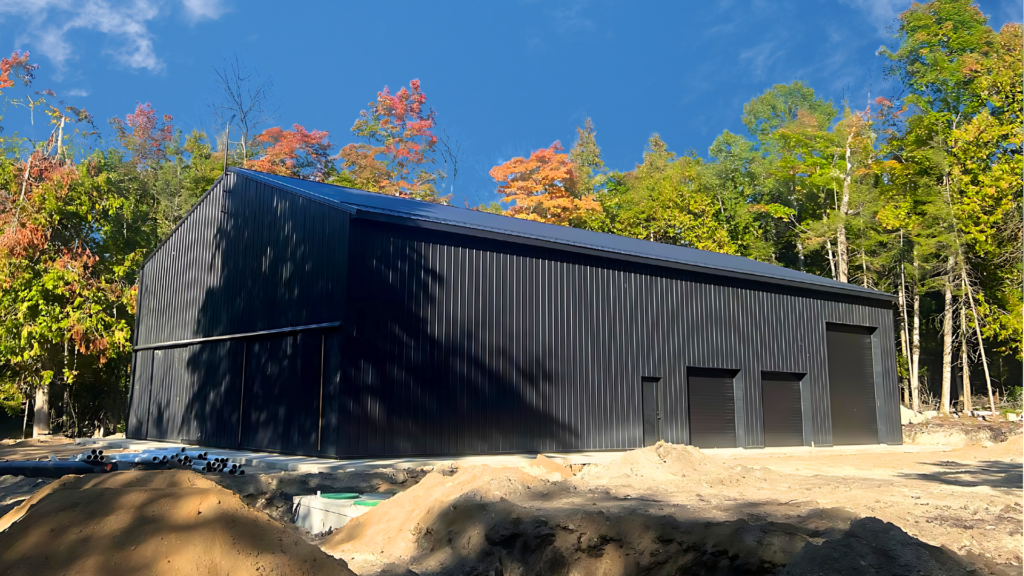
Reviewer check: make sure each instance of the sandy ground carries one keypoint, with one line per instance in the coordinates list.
(150, 523)
(672, 509)
(40, 448)
(924, 509)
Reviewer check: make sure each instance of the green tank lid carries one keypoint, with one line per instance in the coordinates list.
(370, 503)
(340, 496)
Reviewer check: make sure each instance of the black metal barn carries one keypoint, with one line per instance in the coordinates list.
(292, 316)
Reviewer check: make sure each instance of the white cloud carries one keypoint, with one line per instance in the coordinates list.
(203, 9)
(761, 57)
(78, 92)
(881, 13)
(49, 22)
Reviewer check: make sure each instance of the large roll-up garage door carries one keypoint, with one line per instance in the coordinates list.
(783, 413)
(712, 407)
(851, 385)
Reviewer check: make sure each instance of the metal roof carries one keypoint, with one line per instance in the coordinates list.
(416, 212)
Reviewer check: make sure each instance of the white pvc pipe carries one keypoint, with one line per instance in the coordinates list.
(135, 459)
(147, 454)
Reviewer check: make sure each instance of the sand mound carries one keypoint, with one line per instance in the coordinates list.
(151, 523)
(548, 469)
(16, 489)
(1012, 448)
(655, 467)
(394, 526)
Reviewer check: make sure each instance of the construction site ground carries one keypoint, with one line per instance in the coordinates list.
(923, 508)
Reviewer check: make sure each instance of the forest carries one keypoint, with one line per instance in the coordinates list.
(918, 194)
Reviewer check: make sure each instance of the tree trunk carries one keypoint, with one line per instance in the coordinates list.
(965, 367)
(831, 258)
(977, 331)
(864, 269)
(24, 422)
(915, 347)
(842, 248)
(41, 419)
(947, 347)
(905, 332)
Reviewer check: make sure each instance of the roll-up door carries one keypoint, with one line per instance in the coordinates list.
(851, 385)
(783, 413)
(712, 407)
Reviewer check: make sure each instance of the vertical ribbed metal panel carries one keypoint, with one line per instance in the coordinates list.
(531, 349)
(248, 257)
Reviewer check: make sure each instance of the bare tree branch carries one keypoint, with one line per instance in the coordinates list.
(451, 153)
(242, 91)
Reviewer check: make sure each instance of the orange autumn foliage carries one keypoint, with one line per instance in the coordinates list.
(299, 153)
(543, 188)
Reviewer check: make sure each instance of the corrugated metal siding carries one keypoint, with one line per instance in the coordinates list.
(142, 379)
(248, 257)
(481, 346)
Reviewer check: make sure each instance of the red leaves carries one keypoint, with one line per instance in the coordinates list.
(17, 64)
(298, 153)
(400, 145)
(143, 135)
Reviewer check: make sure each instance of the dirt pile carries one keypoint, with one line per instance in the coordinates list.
(15, 489)
(151, 523)
(957, 432)
(486, 520)
(397, 527)
(548, 469)
(663, 467)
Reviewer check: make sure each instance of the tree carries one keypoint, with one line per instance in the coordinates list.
(796, 177)
(585, 156)
(941, 46)
(69, 256)
(542, 188)
(145, 135)
(178, 183)
(398, 155)
(16, 68)
(245, 94)
(298, 153)
(666, 199)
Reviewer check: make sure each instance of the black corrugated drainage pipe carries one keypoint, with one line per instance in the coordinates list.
(49, 469)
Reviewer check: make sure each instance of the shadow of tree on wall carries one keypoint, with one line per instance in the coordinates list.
(389, 381)
(422, 368)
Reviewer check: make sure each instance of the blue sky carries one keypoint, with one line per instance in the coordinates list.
(505, 77)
